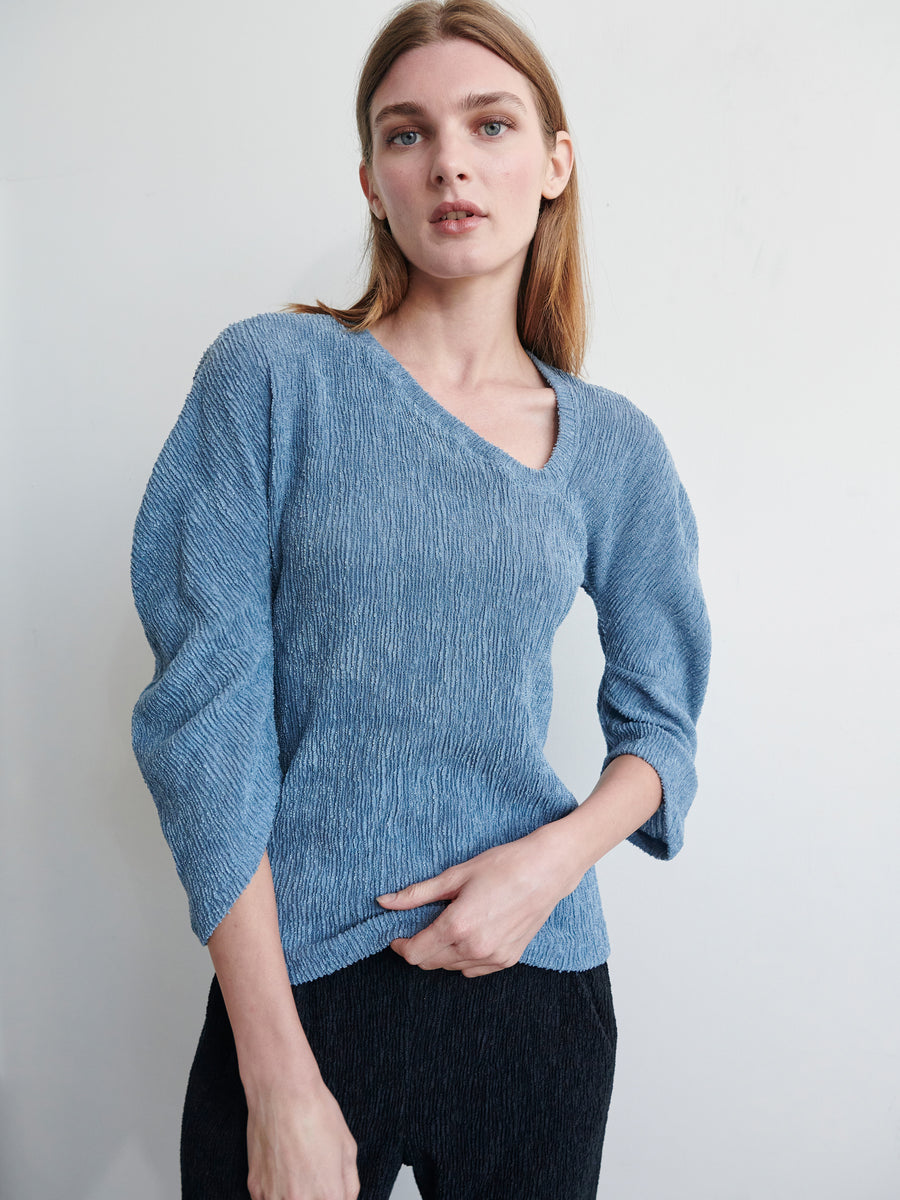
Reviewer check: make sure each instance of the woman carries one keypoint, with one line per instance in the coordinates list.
(350, 561)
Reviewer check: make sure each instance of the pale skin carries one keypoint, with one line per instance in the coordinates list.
(456, 334)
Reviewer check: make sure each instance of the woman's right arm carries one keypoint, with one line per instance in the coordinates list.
(298, 1143)
(205, 738)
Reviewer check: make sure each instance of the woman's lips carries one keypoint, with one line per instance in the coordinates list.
(450, 225)
(455, 206)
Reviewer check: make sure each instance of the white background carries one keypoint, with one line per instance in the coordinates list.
(171, 168)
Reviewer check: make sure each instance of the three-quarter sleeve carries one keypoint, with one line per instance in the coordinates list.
(203, 729)
(642, 574)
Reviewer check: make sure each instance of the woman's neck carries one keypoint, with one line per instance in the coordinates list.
(462, 332)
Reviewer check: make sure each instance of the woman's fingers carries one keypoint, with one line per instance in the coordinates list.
(300, 1148)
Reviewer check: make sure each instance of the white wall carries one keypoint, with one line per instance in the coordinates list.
(171, 168)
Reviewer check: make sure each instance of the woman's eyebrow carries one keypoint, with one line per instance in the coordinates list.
(409, 108)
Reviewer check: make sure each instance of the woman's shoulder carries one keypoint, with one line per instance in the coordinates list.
(274, 332)
(612, 420)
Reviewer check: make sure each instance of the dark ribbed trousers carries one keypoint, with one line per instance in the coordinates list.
(491, 1087)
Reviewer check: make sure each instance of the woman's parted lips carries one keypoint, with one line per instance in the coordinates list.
(450, 206)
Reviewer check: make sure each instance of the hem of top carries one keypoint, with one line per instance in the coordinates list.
(350, 948)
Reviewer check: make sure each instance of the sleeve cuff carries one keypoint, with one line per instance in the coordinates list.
(662, 834)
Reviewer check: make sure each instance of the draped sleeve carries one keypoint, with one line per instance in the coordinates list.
(203, 729)
(642, 575)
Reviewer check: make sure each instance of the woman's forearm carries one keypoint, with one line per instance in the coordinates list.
(626, 795)
(249, 963)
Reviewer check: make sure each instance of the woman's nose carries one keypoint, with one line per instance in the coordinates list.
(449, 161)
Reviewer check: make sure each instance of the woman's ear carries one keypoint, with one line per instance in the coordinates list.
(559, 166)
(374, 203)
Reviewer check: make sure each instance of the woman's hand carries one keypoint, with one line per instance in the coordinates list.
(299, 1145)
(501, 898)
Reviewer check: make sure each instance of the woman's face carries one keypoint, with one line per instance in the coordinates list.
(452, 122)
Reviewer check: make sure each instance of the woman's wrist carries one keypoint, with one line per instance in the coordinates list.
(278, 1063)
(627, 794)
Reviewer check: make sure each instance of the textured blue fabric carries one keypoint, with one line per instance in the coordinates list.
(351, 597)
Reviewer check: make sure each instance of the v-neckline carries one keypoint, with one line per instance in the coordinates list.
(423, 402)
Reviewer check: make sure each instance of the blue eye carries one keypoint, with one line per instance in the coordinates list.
(500, 123)
(402, 133)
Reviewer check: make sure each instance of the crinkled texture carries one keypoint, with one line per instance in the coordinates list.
(204, 728)
(351, 597)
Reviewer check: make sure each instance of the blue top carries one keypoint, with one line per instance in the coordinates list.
(351, 597)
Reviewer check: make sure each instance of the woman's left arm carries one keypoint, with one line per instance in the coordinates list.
(642, 575)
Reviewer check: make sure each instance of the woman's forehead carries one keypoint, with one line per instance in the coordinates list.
(455, 69)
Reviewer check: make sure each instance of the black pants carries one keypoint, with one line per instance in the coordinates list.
(492, 1087)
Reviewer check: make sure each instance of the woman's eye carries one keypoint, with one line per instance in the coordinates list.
(497, 126)
(403, 133)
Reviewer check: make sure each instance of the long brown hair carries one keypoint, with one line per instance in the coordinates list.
(551, 310)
